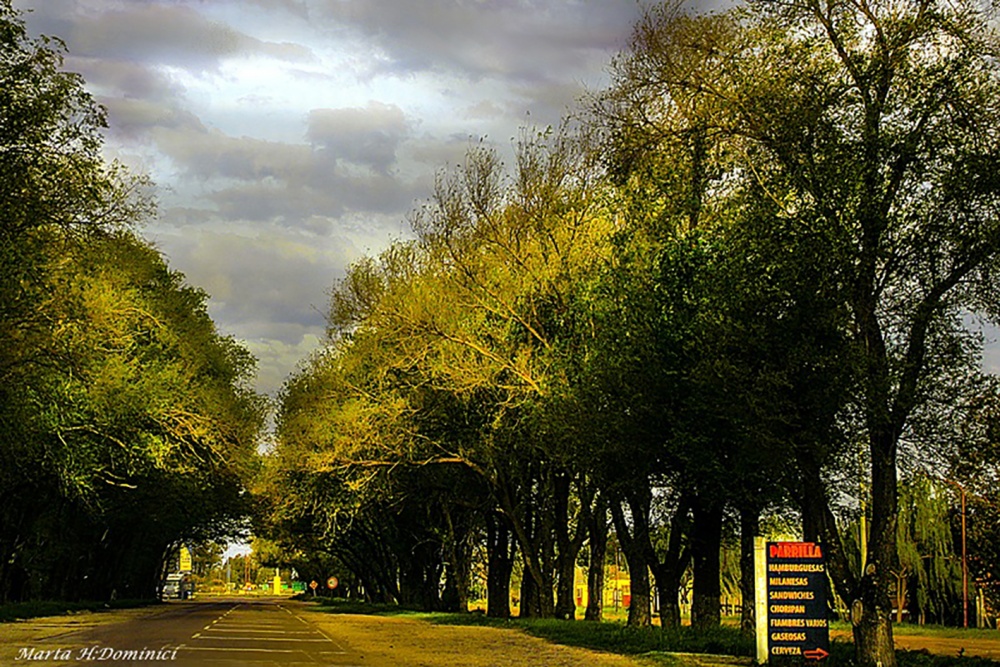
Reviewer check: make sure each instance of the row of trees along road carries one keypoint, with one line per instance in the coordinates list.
(126, 421)
(737, 287)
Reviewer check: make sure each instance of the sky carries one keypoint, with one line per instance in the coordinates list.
(288, 138)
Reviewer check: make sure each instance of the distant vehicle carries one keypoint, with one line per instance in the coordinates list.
(177, 585)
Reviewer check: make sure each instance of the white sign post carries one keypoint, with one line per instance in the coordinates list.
(760, 597)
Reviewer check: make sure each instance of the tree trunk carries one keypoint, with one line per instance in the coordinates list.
(534, 536)
(411, 581)
(705, 545)
(670, 569)
(872, 630)
(870, 608)
(749, 529)
(595, 567)
(531, 605)
(668, 582)
(546, 540)
(500, 549)
(569, 546)
(565, 608)
(638, 568)
(455, 597)
(567, 549)
(873, 640)
(458, 569)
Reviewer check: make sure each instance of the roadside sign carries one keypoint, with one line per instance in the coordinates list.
(313, 584)
(185, 559)
(791, 605)
(332, 582)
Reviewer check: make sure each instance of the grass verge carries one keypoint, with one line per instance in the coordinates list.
(681, 647)
(650, 643)
(23, 610)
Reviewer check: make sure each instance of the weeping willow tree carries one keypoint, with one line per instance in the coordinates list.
(929, 574)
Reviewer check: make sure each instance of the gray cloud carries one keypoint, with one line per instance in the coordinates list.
(171, 35)
(369, 136)
(271, 189)
(202, 153)
(268, 288)
(516, 39)
(245, 178)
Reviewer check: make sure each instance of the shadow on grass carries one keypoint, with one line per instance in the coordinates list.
(24, 610)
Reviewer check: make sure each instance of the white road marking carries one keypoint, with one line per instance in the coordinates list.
(325, 640)
(257, 650)
(317, 629)
(280, 632)
(246, 626)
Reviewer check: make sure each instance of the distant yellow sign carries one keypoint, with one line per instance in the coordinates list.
(185, 559)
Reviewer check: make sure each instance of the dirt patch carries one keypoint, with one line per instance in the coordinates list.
(387, 641)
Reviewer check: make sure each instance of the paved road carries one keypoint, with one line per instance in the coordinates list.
(216, 633)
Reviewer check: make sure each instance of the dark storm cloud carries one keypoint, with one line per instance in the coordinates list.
(270, 273)
(138, 97)
(263, 276)
(122, 49)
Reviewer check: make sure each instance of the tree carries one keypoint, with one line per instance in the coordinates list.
(128, 421)
(453, 351)
(866, 127)
(929, 575)
(973, 468)
(52, 175)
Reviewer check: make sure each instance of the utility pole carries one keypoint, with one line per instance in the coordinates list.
(965, 568)
(965, 558)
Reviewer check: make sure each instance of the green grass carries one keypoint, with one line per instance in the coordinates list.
(615, 637)
(681, 647)
(34, 609)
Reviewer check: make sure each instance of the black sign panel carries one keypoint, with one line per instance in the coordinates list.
(797, 623)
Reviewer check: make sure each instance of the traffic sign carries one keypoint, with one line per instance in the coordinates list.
(332, 582)
(313, 584)
(185, 559)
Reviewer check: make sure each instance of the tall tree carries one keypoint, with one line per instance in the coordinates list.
(866, 126)
(135, 414)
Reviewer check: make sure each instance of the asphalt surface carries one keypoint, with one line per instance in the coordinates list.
(216, 633)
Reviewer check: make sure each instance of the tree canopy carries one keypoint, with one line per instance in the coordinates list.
(129, 423)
